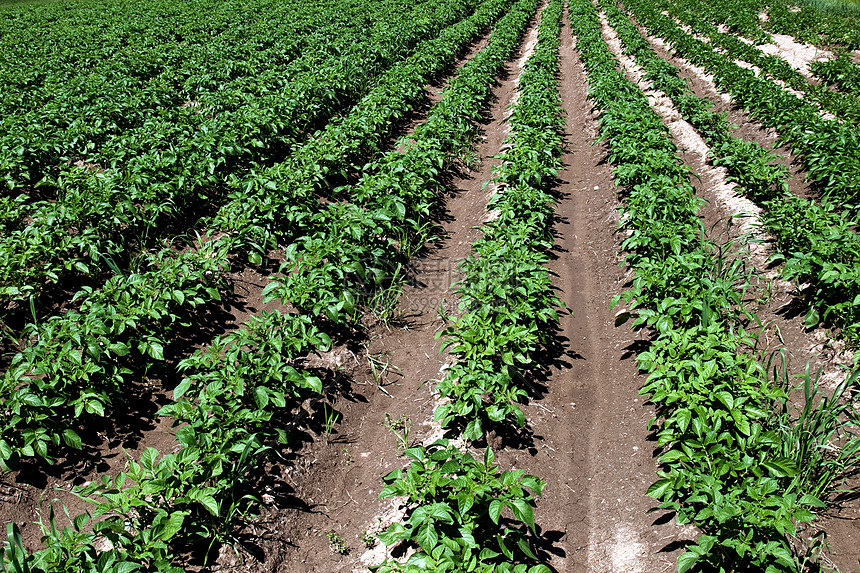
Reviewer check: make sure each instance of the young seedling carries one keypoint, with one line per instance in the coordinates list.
(336, 543)
(400, 428)
(368, 539)
(331, 417)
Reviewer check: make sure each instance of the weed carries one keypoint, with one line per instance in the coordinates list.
(380, 368)
(400, 428)
(331, 417)
(368, 539)
(336, 543)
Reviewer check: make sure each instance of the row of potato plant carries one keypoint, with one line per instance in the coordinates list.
(806, 23)
(824, 255)
(840, 72)
(729, 465)
(271, 334)
(750, 166)
(177, 167)
(507, 305)
(389, 100)
(53, 352)
(80, 362)
(828, 149)
(456, 503)
(267, 207)
(744, 18)
(225, 404)
(843, 106)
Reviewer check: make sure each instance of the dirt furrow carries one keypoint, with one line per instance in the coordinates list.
(338, 481)
(589, 437)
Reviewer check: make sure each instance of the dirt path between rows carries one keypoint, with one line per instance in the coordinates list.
(591, 428)
(336, 483)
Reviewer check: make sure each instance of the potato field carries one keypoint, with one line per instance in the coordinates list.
(492, 286)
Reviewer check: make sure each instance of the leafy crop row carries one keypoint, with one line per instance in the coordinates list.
(225, 406)
(843, 106)
(455, 503)
(840, 72)
(824, 254)
(808, 24)
(176, 163)
(508, 307)
(730, 465)
(749, 165)
(66, 383)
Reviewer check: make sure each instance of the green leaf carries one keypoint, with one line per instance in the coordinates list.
(172, 526)
(261, 397)
(781, 467)
(187, 436)
(726, 398)
(658, 488)
(209, 503)
(524, 546)
(809, 499)
(148, 457)
(156, 350)
(683, 417)
(427, 537)
(72, 439)
(393, 534)
(741, 421)
(314, 383)
(812, 319)
(686, 561)
(671, 456)
(119, 348)
(181, 388)
(523, 511)
(495, 510)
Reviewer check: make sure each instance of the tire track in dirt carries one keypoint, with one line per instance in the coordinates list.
(591, 444)
(341, 479)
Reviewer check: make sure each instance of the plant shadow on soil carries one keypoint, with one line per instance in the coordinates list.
(307, 419)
